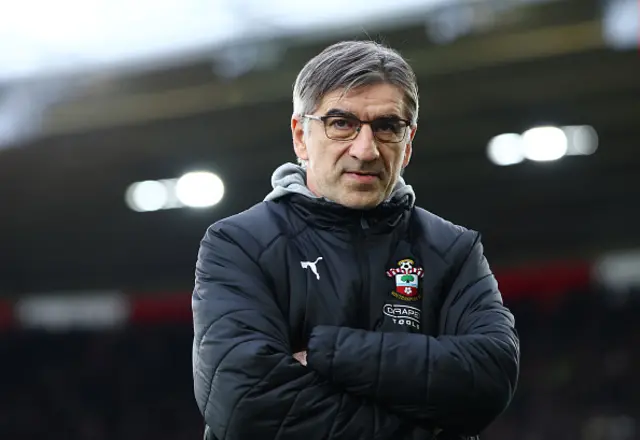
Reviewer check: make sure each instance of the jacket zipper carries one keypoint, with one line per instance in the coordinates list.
(363, 259)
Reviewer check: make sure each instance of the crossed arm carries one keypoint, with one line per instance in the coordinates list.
(248, 385)
(460, 381)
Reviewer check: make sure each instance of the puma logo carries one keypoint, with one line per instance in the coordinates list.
(312, 266)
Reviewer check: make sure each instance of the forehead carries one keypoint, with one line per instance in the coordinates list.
(367, 101)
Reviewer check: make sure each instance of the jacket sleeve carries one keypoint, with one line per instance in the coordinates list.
(459, 381)
(247, 384)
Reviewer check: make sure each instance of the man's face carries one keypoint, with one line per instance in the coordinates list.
(360, 173)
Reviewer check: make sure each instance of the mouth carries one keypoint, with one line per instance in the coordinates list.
(363, 177)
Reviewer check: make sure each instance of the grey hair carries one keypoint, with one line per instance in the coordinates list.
(351, 64)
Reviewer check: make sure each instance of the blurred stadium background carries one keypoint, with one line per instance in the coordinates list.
(127, 128)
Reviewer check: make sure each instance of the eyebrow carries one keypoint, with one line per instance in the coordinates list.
(340, 112)
(389, 116)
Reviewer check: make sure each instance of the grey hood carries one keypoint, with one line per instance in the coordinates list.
(291, 178)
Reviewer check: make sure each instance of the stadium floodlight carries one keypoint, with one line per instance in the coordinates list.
(199, 189)
(506, 149)
(583, 140)
(147, 196)
(544, 144)
(620, 24)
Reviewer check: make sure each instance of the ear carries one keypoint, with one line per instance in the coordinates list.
(408, 148)
(297, 132)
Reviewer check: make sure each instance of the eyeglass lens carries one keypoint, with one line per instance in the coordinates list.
(384, 129)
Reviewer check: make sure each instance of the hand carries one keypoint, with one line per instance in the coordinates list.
(301, 357)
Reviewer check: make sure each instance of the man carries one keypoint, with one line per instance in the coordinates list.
(336, 309)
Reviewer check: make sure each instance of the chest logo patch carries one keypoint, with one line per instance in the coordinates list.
(407, 277)
(402, 314)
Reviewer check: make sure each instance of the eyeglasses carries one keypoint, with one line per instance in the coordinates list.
(387, 130)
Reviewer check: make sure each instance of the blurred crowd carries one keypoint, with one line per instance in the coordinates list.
(132, 384)
(580, 356)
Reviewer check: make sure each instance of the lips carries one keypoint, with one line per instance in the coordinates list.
(363, 173)
(362, 177)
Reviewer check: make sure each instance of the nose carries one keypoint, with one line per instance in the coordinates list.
(364, 147)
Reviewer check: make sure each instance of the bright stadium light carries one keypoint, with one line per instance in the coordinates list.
(147, 196)
(199, 189)
(583, 140)
(544, 144)
(620, 24)
(506, 149)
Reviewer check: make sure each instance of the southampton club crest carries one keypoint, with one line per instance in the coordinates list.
(407, 278)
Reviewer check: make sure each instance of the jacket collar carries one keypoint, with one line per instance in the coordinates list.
(289, 186)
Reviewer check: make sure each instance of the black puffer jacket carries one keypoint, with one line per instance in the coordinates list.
(404, 325)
